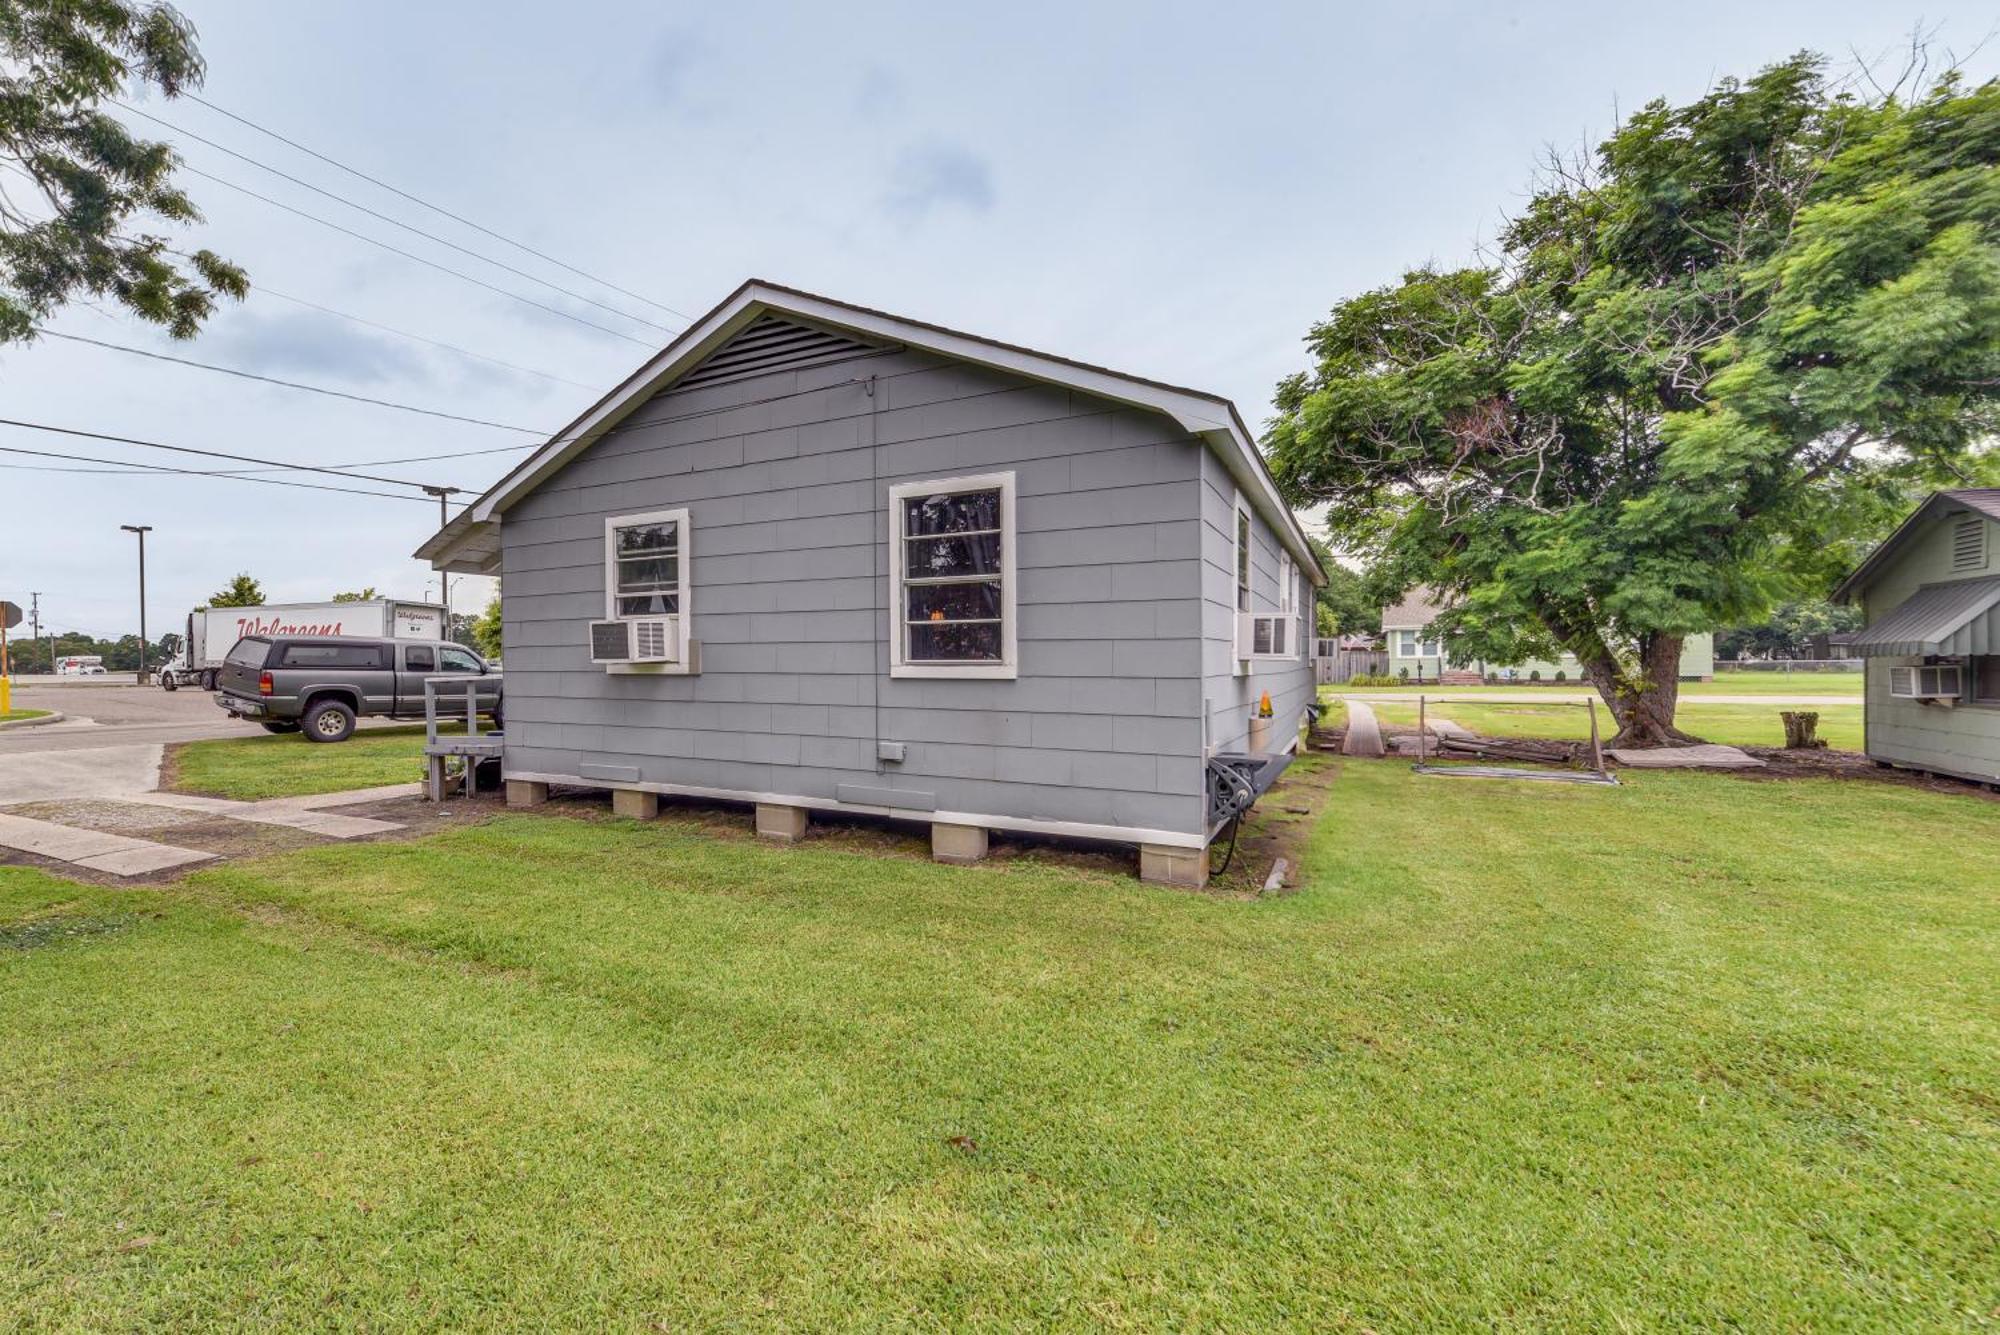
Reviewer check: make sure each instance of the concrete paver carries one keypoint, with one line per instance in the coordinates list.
(99, 850)
(284, 811)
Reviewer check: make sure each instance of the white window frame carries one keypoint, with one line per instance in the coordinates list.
(683, 592)
(1009, 665)
(1242, 577)
(1424, 648)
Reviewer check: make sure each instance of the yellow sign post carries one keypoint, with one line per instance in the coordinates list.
(10, 617)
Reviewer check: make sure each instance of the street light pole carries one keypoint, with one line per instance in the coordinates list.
(142, 530)
(444, 580)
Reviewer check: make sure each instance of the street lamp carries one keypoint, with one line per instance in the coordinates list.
(142, 530)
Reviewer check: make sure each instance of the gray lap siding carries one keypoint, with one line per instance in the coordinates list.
(1228, 695)
(787, 493)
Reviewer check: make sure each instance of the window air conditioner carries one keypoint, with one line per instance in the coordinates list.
(1932, 681)
(635, 640)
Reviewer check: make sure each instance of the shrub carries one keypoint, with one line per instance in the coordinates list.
(1403, 673)
(1535, 674)
(1561, 675)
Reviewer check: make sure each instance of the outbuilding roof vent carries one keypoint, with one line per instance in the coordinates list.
(1968, 544)
(769, 344)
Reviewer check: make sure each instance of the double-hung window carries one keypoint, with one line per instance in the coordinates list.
(646, 559)
(1411, 644)
(951, 564)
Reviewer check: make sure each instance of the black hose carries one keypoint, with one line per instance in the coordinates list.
(1235, 824)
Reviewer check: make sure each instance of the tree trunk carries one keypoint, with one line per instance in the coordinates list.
(1643, 703)
(1802, 730)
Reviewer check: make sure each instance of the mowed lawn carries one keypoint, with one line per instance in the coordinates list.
(251, 769)
(1695, 1051)
(17, 715)
(1731, 724)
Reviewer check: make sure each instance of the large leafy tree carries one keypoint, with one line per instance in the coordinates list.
(1702, 361)
(77, 181)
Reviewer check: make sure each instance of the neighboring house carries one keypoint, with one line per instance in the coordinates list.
(1930, 603)
(1417, 651)
(877, 566)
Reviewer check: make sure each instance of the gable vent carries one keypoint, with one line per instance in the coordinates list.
(1968, 544)
(769, 344)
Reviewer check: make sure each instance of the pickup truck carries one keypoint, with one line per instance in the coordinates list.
(319, 684)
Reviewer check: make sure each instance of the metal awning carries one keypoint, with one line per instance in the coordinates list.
(1953, 619)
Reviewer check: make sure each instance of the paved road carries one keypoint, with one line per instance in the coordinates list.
(108, 713)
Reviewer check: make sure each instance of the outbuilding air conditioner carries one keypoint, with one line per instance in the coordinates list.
(1931, 681)
(635, 640)
(1267, 635)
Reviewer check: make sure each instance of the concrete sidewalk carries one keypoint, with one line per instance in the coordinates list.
(124, 855)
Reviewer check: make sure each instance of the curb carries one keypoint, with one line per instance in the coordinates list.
(54, 716)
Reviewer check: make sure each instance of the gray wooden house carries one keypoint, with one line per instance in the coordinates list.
(1930, 596)
(822, 558)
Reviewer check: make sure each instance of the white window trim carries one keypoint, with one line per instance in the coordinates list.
(1009, 666)
(1425, 648)
(683, 593)
(1242, 576)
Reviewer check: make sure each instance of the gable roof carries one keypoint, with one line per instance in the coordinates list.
(1209, 416)
(1416, 611)
(1979, 500)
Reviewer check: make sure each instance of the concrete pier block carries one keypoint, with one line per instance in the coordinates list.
(784, 824)
(526, 793)
(634, 803)
(957, 843)
(1162, 865)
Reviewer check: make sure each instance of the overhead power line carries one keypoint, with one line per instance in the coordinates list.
(265, 289)
(412, 255)
(291, 384)
(523, 247)
(207, 454)
(398, 222)
(126, 465)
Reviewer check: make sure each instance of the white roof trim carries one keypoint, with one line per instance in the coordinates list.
(1214, 419)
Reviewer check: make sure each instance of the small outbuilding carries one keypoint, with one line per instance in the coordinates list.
(1930, 602)
(822, 558)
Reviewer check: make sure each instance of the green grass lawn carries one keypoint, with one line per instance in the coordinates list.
(14, 715)
(1739, 682)
(1694, 1051)
(1731, 724)
(287, 765)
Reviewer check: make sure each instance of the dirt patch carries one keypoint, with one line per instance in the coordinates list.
(57, 928)
(1853, 766)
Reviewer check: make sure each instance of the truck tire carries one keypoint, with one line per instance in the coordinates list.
(169, 682)
(208, 680)
(279, 725)
(328, 721)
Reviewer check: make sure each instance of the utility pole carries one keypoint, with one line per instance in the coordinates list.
(444, 495)
(35, 626)
(142, 530)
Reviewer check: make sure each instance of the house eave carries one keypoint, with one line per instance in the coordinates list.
(1214, 420)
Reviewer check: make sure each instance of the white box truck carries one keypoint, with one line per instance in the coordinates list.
(213, 631)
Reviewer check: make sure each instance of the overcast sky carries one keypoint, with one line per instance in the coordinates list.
(1174, 190)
